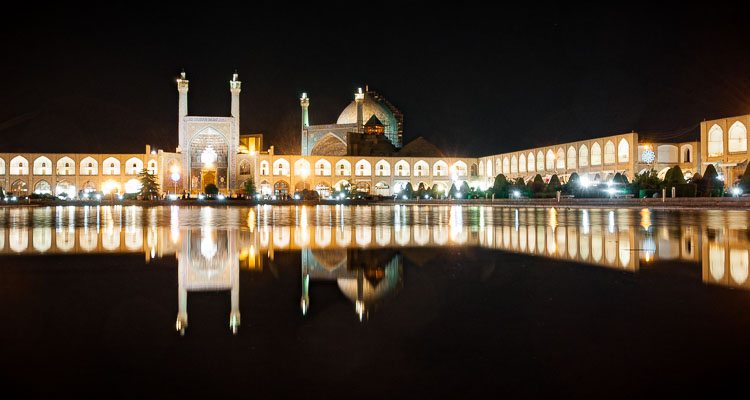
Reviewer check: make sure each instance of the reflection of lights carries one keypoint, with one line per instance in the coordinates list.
(646, 218)
(516, 194)
(553, 218)
(359, 307)
(611, 222)
(585, 222)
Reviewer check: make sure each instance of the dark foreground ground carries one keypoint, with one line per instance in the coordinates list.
(464, 323)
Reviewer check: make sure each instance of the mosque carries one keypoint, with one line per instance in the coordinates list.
(364, 148)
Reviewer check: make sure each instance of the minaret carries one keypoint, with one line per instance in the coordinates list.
(235, 87)
(359, 98)
(182, 109)
(304, 102)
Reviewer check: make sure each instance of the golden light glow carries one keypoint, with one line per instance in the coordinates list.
(110, 186)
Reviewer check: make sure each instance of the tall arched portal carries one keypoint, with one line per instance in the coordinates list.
(209, 160)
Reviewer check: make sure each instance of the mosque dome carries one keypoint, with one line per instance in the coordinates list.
(370, 107)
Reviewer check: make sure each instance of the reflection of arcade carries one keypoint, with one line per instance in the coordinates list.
(366, 277)
(208, 262)
(725, 254)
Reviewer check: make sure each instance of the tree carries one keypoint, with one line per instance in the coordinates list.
(2, 193)
(537, 186)
(408, 190)
(744, 181)
(149, 186)
(710, 184)
(674, 176)
(453, 191)
(421, 191)
(211, 189)
(249, 187)
(501, 186)
(554, 184)
(464, 190)
(436, 191)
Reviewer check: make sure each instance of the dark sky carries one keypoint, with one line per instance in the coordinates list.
(473, 81)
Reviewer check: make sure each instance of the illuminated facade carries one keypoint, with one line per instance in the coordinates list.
(364, 148)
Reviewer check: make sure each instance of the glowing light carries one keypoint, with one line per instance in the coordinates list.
(173, 197)
(584, 182)
(516, 194)
(221, 197)
(201, 197)
(110, 186)
(736, 191)
(646, 219)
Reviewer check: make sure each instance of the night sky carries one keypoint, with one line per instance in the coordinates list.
(474, 82)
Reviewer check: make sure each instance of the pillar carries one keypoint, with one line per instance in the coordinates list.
(359, 98)
(235, 87)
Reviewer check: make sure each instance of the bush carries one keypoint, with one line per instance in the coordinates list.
(211, 189)
(683, 190)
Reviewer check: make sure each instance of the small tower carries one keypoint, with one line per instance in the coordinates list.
(304, 102)
(235, 87)
(182, 110)
(359, 98)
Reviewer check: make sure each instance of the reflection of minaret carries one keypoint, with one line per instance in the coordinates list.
(208, 262)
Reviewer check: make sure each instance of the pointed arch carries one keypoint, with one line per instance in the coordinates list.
(489, 168)
(245, 168)
(42, 166)
(133, 166)
(402, 168)
(609, 153)
(264, 168)
(440, 168)
(715, 141)
(322, 167)
(89, 166)
(343, 168)
(623, 151)
(513, 165)
(19, 166)
(111, 166)
(152, 167)
(302, 168)
(539, 161)
(481, 168)
(382, 168)
(329, 145)
(42, 187)
(596, 154)
(459, 168)
(522, 163)
(560, 158)
(737, 138)
(550, 160)
(2, 166)
(583, 156)
(363, 168)
(281, 167)
(506, 165)
(421, 168)
(572, 159)
(532, 162)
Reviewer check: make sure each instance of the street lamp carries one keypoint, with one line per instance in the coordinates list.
(175, 176)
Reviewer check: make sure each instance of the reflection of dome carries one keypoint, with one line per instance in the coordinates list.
(372, 291)
(369, 108)
(330, 259)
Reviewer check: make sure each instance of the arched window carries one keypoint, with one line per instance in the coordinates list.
(506, 166)
(498, 166)
(737, 138)
(686, 153)
(2, 166)
(522, 163)
(440, 168)
(459, 168)
(402, 168)
(623, 151)
(343, 168)
(264, 167)
(382, 168)
(42, 166)
(531, 162)
(302, 168)
(152, 167)
(550, 160)
(363, 168)
(421, 168)
(473, 170)
(89, 166)
(513, 165)
(489, 168)
(539, 161)
(560, 159)
(42, 187)
(481, 168)
(322, 168)
(19, 166)
(583, 156)
(571, 157)
(245, 168)
(609, 153)
(281, 167)
(66, 166)
(596, 154)
(715, 141)
(111, 166)
(133, 166)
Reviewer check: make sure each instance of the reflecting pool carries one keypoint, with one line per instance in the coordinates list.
(397, 299)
